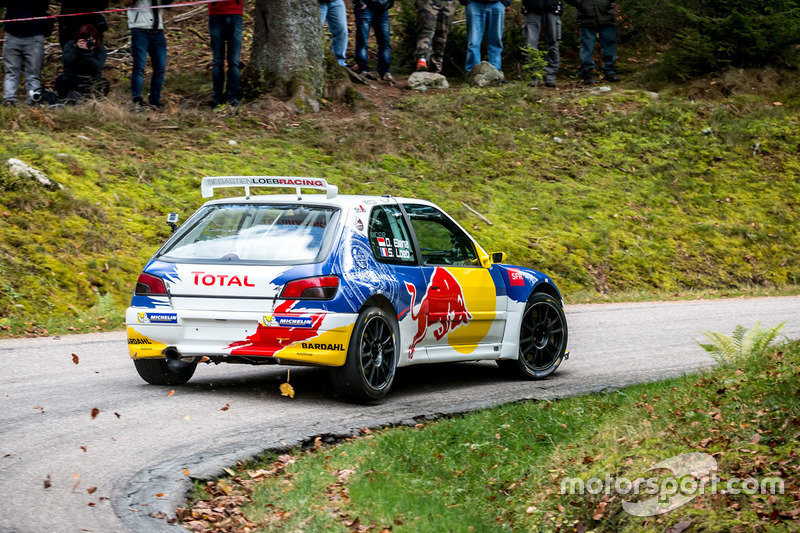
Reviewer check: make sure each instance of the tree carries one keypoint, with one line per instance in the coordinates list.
(287, 57)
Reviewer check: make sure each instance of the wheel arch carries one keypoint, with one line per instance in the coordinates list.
(546, 288)
(382, 302)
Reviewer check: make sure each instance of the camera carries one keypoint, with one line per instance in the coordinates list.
(35, 95)
(90, 43)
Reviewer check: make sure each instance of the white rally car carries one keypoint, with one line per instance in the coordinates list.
(359, 284)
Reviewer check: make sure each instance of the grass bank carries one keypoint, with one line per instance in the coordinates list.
(619, 192)
(503, 469)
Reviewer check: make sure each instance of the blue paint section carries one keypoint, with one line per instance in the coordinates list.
(520, 281)
(499, 281)
(149, 302)
(166, 271)
(361, 276)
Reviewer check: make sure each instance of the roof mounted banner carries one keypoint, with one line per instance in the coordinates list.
(216, 182)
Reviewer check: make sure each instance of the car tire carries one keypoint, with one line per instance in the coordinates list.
(542, 339)
(170, 371)
(369, 369)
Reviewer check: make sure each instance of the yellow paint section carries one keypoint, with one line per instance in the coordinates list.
(141, 346)
(311, 350)
(481, 300)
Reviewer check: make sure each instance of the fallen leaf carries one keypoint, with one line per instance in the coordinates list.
(91, 490)
(287, 390)
(755, 439)
(95, 412)
(186, 472)
(226, 407)
(530, 510)
(342, 475)
(75, 359)
(777, 103)
(680, 527)
(170, 393)
(47, 482)
(599, 511)
(77, 478)
(83, 448)
(187, 417)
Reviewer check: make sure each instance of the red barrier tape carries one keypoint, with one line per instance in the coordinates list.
(182, 4)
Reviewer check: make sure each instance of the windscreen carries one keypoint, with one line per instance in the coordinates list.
(278, 234)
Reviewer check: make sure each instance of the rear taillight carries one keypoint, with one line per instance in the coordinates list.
(149, 285)
(318, 288)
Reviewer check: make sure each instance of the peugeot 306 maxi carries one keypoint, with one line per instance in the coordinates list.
(359, 284)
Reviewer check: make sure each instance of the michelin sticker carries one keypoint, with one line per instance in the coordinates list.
(157, 318)
(287, 321)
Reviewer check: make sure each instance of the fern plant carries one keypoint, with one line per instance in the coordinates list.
(743, 345)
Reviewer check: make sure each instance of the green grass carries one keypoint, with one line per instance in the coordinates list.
(502, 469)
(634, 198)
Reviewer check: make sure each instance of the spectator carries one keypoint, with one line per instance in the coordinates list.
(225, 29)
(146, 23)
(84, 57)
(373, 14)
(596, 19)
(68, 26)
(543, 16)
(434, 18)
(23, 48)
(485, 16)
(334, 12)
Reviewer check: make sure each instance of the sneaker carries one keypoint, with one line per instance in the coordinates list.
(550, 82)
(156, 105)
(9, 103)
(588, 79)
(387, 77)
(535, 82)
(611, 77)
(422, 65)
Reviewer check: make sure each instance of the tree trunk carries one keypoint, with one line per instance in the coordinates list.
(287, 55)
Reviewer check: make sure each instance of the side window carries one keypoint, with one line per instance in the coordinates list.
(441, 241)
(389, 237)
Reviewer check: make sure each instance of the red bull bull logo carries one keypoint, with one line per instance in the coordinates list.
(443, 307)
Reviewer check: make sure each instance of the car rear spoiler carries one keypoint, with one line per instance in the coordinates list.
(216, 182)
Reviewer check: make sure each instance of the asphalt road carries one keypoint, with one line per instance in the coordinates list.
(111, 472)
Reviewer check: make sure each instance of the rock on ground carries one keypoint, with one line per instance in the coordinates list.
(422, 81)
(484, 74)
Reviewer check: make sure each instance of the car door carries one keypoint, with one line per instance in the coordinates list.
(461, 314)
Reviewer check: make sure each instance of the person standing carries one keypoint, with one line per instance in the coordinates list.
(543, 17)
(485, 17)
(225, 29)
(23, 48)
(373, 14)
(596, 20)
(145, 20)
(434, 19)
(334, 12)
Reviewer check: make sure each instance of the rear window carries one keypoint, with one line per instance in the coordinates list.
(280, 234)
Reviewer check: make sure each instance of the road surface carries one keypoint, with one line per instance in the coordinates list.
(113, 471)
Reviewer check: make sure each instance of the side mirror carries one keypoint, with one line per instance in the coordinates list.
(172, 221)
(498, 257)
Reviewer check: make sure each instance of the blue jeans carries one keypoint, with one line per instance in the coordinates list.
(335, 13)
(154, 43)
(225, 32)
(22, 53)
(378, 21)
(608, 45)
(488, 18)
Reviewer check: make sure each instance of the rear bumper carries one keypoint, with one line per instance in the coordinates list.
(311, 338)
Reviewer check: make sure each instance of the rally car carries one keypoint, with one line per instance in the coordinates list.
(359, 284)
